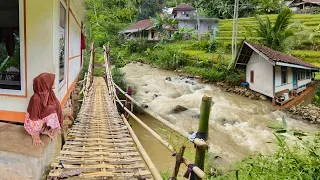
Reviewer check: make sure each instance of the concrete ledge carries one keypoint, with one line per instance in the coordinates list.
(19, 158)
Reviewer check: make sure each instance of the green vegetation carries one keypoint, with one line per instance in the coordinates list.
(299, 161)
(317, 97)
(279, 35)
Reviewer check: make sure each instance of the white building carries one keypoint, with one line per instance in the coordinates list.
(187, 18)
(270, 72)
(38, 36)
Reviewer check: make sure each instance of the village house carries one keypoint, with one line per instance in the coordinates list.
(36, 36)
(144, 28)
(303, 5)
(186, 17)
(272, 73)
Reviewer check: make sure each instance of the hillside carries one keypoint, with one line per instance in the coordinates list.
(305, 51)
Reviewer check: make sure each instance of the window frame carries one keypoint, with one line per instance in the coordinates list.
(252, 76)
(284, 70)
(301, 75)
(308, 74)
(23, 61)
(63, 82)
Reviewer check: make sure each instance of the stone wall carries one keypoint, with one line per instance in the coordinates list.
(241, 91)
(310, 113)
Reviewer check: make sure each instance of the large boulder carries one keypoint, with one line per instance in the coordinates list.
(178, 109)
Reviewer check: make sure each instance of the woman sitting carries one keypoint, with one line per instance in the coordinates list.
(44, 113)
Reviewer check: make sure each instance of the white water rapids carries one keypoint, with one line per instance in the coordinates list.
(238, 126)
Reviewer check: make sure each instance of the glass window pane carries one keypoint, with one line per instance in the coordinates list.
(10, 45)
(62, 41)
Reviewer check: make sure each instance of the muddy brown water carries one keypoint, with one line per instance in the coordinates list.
(238, 126)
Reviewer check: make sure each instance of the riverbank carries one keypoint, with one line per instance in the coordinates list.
(238, 125)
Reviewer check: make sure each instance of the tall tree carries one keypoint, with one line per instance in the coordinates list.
(279, 35)
(105, 18)
(149, 8)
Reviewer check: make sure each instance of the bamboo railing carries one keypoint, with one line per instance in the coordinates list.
(89, 80)
(112, 91)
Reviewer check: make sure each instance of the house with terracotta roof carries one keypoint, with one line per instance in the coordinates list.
(272, 73)
(144, 28)
(303, 5)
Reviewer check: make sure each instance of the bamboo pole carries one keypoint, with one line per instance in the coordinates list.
(128, 101)
(156, 116)
(195, 169)
(203, 129)
(144, 154)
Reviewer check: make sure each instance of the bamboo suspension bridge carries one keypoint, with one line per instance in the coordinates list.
(102, 145)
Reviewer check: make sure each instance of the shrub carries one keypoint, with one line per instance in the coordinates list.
(137, 45)
(177, 36)
(300, 161)
(167, 57)
(317, 97)
(117, 77)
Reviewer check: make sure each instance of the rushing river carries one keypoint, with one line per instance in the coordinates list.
(238, 126)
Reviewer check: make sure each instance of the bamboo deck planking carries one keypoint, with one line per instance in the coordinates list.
(99, 144)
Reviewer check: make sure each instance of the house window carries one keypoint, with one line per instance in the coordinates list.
(62, 43)
(10, 43)
(187, 15)
(301, 75)
(308, 74)
(284, 75)
(196, 27)
(252, 77)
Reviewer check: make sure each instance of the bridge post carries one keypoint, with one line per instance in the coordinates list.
(128, 103)
(203, 130)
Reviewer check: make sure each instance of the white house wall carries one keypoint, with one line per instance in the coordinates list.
(278, 86)
(42, 53)
(39, 50)
(304, 82)
(75, 52)
(186, 24)
(263, 75)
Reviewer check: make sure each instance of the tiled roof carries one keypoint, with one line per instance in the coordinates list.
(277, 56)
(184, 6)
(143, 24)
(312, 1)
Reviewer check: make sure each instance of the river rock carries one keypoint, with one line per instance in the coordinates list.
(168, 78)
(248, 93)
(155, 96)
(262, 97)
(251, 96)
(179, 109)
(205, 81)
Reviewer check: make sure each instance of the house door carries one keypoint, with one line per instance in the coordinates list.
(294, 76)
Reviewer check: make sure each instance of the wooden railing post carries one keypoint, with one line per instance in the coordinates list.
(89, 79)
(128, 101)
(179, 160)
(203, 130)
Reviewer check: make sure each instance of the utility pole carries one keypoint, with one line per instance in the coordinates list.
(234, 32)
